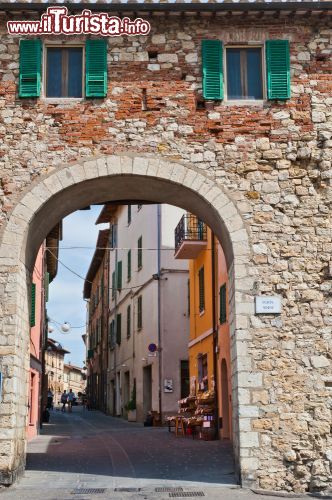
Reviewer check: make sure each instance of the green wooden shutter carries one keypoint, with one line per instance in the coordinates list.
(33, 305)
(139, 253)
(278, 69)
(118, 329)
(222, 304)
(212, 67)
(113, 284)
(30, 68)
(46, 285)
(129, 265)
(128, 321)
(119, 276)
(139, 313)
(96, 68)
(201, 289)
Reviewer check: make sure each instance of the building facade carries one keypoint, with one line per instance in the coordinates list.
(37, 332)
(96, 290)
(54, 368)
(146, 283)
(209, 340)
(257, 171)
(45, 270)
(73, 379)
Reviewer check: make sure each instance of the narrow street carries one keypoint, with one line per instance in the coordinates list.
(89, 450)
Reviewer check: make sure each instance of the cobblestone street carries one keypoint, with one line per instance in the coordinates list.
(85, 450)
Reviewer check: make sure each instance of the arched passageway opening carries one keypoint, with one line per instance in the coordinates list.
(98, 180)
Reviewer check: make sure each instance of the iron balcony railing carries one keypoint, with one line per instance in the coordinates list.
(190, 228)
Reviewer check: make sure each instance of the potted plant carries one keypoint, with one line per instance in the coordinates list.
(131, 405)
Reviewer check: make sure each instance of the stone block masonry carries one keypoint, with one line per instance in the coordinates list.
(274, 161)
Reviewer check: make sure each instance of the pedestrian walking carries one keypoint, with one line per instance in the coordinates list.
(64, 398)
(49, 399)
(71, 399)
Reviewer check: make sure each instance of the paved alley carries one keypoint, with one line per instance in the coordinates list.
(87, 454)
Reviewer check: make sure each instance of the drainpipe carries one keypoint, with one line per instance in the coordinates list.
(215, 335)
(159, 306)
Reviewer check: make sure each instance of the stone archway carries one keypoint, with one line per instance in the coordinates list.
(74, 186)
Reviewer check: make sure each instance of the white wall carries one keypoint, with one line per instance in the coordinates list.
(132, 354)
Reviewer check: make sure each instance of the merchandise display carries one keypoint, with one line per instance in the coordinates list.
(195, 416)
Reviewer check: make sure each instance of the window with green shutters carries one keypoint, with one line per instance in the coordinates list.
(112, 334)
(30, 68)
(278, 69)
(119, 276)
(243, 71)
(139, 253)
(118, 329)
(201, 290)
(222, 304)
(212, 68)
(96, 68)
(139, 313)
(129, 265)
(128, 321)
(33, 305)
(113, 284)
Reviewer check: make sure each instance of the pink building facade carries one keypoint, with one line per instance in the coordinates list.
(37, 321)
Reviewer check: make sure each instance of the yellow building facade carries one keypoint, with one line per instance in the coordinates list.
(201, 368)
(209, 357)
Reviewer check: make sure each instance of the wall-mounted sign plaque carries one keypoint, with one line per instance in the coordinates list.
(266, 304)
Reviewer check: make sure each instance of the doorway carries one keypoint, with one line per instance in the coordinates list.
(225, 432)
(147, 390)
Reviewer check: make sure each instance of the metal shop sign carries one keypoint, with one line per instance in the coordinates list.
(56, 21)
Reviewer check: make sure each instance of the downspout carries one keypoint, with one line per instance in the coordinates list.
(159, 306)
(215, 336)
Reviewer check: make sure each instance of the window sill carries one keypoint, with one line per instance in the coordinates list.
(244, 102)
(62, 100)
(201, 313)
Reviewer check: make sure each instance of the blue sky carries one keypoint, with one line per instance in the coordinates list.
(66, 291)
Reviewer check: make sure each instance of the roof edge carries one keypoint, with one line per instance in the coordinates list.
(176, 7)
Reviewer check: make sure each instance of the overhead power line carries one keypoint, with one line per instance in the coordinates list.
(83, 278)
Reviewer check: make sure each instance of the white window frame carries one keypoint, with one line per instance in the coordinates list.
(61, 45)
(249, 45)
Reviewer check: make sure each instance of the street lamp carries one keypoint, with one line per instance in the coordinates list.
(65, 327)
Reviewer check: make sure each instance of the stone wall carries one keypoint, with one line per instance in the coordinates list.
(275, 161)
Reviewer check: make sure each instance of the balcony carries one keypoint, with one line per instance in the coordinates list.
(190, 237)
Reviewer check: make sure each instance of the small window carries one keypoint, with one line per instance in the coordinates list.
(139, 313)
(244, 73)
(64, 72)
(139, 253)
(201, 290)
